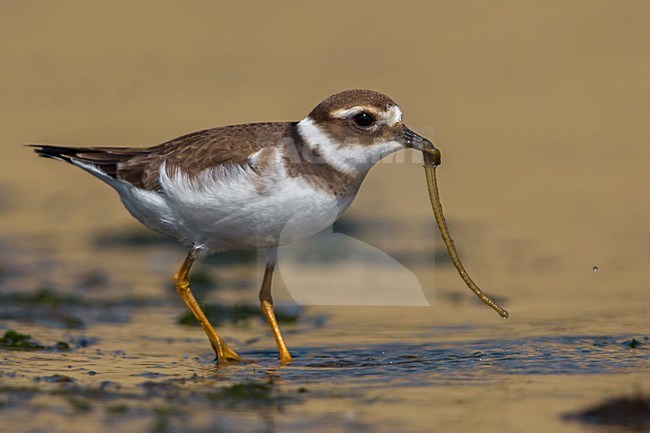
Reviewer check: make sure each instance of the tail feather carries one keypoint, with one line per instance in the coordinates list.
(55, 152)
(101, 159)
(120, 163)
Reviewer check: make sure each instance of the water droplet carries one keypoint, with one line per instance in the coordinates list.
(595, 269)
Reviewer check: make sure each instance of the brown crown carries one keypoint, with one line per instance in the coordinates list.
(349, 99)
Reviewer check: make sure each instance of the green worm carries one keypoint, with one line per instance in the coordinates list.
(431, 161)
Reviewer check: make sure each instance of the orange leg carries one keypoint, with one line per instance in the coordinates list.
(225, 354)
(266, 300)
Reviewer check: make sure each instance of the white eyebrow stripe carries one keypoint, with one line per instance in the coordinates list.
(343, 113)
(390, 116)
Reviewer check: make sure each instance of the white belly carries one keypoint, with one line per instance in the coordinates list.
(230, 208)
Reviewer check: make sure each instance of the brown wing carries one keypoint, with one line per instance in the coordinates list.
(191, 153)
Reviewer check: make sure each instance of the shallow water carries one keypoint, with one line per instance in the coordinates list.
(357, 368)
(541, 115)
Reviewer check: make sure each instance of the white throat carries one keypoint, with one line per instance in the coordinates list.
(349, 156)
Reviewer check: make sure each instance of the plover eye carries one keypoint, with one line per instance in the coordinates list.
(364, 120)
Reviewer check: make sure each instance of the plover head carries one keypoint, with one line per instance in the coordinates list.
(354, 129)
